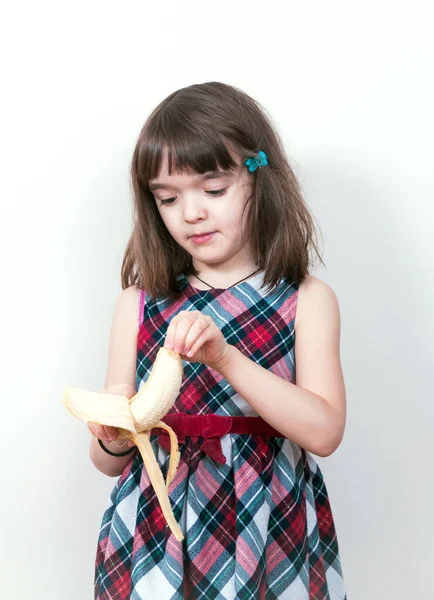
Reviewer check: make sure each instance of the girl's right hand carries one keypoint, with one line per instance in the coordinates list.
(105, 432)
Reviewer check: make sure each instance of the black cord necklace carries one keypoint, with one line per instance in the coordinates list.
(241, 280)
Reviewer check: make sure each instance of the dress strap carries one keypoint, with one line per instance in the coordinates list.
(142, 298)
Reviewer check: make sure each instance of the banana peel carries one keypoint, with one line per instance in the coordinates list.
(135, 417)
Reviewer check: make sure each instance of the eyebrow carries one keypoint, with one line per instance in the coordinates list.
(203, 176)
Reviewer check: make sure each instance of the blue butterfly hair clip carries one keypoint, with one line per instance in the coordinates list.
(260, 160)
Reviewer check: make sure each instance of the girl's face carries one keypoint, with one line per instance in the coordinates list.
(204, 213)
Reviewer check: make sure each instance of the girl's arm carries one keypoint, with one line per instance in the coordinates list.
(121, 370)
(311, 413)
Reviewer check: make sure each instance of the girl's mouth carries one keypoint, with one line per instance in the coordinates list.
(202, 238)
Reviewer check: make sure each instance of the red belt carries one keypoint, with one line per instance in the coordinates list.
(212, 428)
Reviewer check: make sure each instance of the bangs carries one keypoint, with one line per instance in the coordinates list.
(188, 149)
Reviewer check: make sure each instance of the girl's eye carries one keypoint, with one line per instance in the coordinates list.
(216, 192)
(213, 193)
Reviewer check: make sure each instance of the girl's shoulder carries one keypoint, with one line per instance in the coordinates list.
(312, 284)
(128, 306)
(128, 299)
(316, 299)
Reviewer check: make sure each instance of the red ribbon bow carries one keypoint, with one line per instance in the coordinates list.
(206, 426)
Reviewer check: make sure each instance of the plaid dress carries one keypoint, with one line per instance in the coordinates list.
(258, 527)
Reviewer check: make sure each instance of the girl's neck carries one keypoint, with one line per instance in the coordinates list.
(219, 278)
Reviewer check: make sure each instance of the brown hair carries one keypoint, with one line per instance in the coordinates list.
(195, 125)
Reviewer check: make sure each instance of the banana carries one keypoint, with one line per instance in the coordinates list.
(136, 416)
(160, 391)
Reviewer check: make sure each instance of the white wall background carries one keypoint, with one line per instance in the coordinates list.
(350, 85)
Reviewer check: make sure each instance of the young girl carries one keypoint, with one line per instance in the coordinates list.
(217, 270)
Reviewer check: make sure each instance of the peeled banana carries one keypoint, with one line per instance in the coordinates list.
(136, 416)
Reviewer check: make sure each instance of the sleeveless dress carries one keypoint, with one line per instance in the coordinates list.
(258, 527)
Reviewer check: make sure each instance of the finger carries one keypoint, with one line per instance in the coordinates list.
(98, 433)
(182, 317)
(200, 341)
(92, 430)
(176, 328)
(189, 326)
(169, 340)
(111, 432)
(195, 331)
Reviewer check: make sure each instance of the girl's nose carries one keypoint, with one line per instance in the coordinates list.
(194, 208)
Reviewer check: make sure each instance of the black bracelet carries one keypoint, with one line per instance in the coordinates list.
(114, 453)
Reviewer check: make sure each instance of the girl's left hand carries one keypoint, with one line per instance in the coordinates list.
(196, 338)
